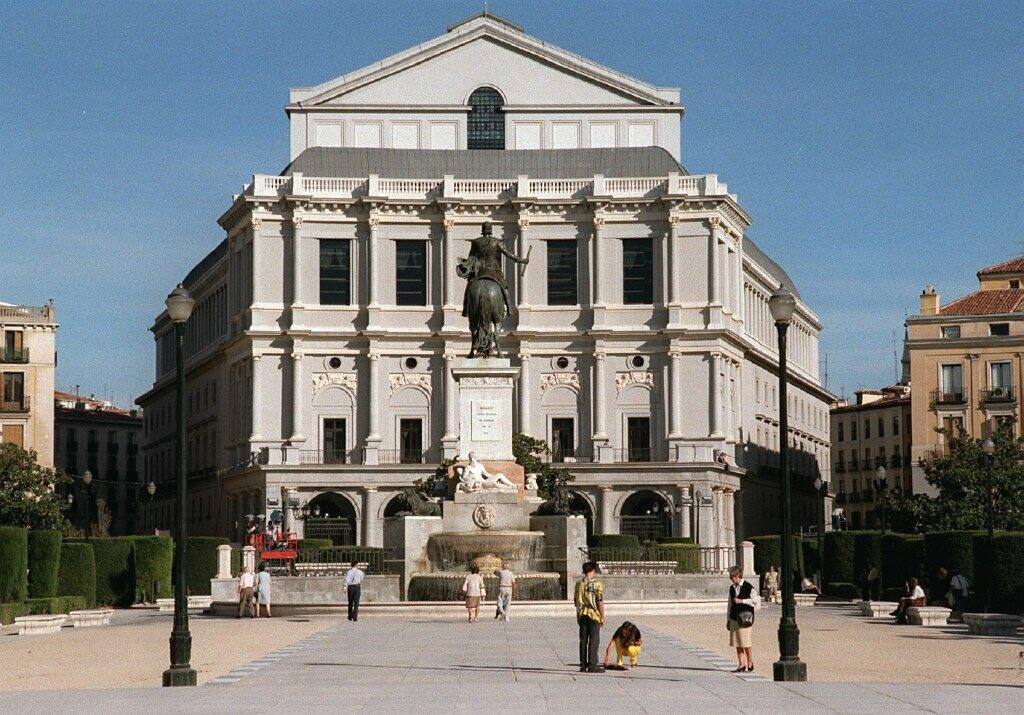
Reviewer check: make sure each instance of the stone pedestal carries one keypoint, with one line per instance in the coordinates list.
(485, 407)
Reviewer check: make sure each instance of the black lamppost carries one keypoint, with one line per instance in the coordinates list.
(822, 487)
(988, 452)
(179, 308)
(789, 666)
(881, 487)
(151, 490)
(87, 481)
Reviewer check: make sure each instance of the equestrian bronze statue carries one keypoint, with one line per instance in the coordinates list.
(486, 302)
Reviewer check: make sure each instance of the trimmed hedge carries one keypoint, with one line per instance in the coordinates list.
(43, 562)
(812, 560)
(686, 556)
(767, 553)
(10, 611)
(843, 590)
(76, 576)
(432, 588)
(867, 549)
(315, 543)
(613, 541)
(115, 571)
(55, 605)
(1008, 586)
(838, 557)
(952, 549)
(676, 540)
(153, 558)
(13, 564)
(202, 562)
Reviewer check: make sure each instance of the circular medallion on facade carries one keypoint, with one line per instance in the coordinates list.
(483, 516)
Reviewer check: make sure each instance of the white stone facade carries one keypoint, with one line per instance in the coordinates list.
(321, 395)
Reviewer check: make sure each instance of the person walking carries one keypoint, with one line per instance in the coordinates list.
(771, 584)
(507, 590)
(957, 595)
(473, 587)
(262, 589)
(353, 589)
(740, 622)
(589, 600)
(246, 583)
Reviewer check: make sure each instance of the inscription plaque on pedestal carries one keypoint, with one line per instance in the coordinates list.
(486, 416)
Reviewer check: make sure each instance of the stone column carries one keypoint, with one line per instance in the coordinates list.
(372, 289)
(739, 309)
(249, 558)
(224, 561)
(447, 259)
(607, 510)
(257, 400)
(297, 219)
(602, 452)
(715, 407)
(675, 393)
(450, 440)
(298, 395)
(670, 269)
(595, 273)
(524, 392)
(524, 224)
(683, 505)
(370, 453)
(714, 272)
(371, 534)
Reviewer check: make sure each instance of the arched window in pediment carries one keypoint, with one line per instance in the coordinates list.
(486, 122)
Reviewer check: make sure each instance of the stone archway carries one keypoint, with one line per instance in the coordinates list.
(646, 514)
(331, 516)
(579, 504)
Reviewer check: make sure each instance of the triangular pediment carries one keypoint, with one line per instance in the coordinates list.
(483, 51)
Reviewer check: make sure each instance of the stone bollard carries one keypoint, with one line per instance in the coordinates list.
(747, 559)
(224, 561)
(249, 558)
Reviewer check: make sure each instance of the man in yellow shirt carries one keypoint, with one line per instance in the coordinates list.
(589, 598)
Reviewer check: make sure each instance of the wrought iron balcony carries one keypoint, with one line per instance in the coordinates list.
(15, 355)
(24, 404)
(633, 454)
(946, 397)
(330, 456)
(996, 395)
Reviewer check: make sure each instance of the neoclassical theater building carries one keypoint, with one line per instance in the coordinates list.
(328, 319)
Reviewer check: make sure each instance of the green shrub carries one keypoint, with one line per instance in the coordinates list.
(838, 563)
(676, 540)
(917, 566)
(13, 564)
(841, 590)
(1008, 583)
(201, 563)
(434, 588)
(952, 549)
(236, 561)
(613, 541)
(767, 552)
(10, 611)
(74, 603)
(153, 558)
(315, 543)
(812, 560)
(76, 576)
(867, 550)
(686, 556)
(43, 562)
(46, 606)
(115, 571)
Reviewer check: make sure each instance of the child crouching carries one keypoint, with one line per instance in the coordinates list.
(627, 642)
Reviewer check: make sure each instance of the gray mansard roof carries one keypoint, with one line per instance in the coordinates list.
(774, 269)
(484, 163)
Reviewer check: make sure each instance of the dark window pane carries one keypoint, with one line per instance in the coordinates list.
(562, 273)
(485, 125)
(335, 272)
(638, 437)
(411, 439)
(637, 271)
(334, 441)
(411, 273)
(563, 438)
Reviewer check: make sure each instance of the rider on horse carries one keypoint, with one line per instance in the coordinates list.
(484, 261)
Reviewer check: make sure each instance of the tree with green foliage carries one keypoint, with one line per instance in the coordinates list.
(552, 482)
(962, 480)
(29, 492)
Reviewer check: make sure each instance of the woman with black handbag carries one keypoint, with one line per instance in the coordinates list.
(741, 620)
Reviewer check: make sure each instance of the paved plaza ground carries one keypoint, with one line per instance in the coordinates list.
(433, 665)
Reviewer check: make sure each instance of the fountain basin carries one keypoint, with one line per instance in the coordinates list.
(457, 551)
(447, 586)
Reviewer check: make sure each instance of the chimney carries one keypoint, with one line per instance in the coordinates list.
(929, 301)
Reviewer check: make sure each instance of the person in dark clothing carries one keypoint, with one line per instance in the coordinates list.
(740, 623)
(353, 588)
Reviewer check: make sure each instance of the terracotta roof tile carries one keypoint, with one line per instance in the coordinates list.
(1015, 265)
(986, 302)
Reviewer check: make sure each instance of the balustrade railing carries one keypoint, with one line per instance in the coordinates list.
(13, 355)
(330, 456)
(23, 404)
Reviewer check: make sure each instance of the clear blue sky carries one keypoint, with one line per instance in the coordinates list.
(877, 146)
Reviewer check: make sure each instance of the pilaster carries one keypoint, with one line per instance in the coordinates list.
(371, 453)
(297, 305)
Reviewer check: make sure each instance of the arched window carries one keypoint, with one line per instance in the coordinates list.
(486, 124)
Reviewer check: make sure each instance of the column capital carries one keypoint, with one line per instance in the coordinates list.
(448, 221)
(449, 355)
(599, 220)
(713, 221)
(373, 219)
(256, 222)
(297, 217)
(675, 353)
(600, 354)
(370, 489)
(373, 355)
(606, 489)
(297, 354)
(525, 355)
(675, 219)
(256, 357)
(523, 222)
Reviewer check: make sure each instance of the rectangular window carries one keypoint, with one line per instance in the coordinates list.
(896, 455)
(881, 456)
(637, 271)
(950, 331)
(867, 429)
(999, 376)
(411, 440)
(410, 272)
(638, 439)
(14, 387)
(562, 272)
(867, 458)
(953, 381)
(335, 441)
(853, 430)
(602, 136)
(895, 425)
(840, 428)
(563, 438)
(335, 272)
(997, 329)
(881, 427)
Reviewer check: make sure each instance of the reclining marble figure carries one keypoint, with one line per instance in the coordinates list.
(475, 478)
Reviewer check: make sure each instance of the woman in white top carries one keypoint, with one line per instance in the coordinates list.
(473, 587)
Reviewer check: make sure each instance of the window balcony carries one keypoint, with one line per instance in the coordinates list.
(408, 456)
(998, 395)
(947, 398)
(633, 454)
(330, 456)
(13, 355)
(24, 404)
(569, 456)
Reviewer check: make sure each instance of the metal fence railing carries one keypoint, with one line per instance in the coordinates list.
(662, 559)
(338, 559)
